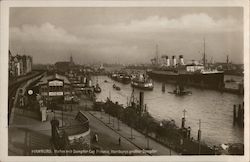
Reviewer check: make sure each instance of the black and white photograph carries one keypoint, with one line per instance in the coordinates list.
(125, 80)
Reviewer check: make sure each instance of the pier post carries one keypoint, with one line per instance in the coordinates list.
(235, 117)
(141, 101)
(163, 87)
(241, 88)
(182, 122)
(242, 120)
(109, 118)
(183, 119)
(239, 114)
(199, 138)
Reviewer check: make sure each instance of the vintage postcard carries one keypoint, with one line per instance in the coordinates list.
(124, 80)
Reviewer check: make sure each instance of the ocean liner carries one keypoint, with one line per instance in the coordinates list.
(192, 74)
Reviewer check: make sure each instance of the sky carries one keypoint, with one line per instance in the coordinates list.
(126, 34)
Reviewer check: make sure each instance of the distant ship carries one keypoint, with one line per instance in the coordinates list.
(193, 74)
(142, 81)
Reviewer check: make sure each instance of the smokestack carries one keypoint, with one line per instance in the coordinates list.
(181, 60)
(173, 61)
(168, 61)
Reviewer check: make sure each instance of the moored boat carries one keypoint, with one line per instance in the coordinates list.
(197, 74)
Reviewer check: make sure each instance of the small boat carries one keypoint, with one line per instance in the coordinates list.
(117, 88)
(97, 88)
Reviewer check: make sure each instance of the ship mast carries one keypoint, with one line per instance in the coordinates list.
(204, 54)
(157, 56)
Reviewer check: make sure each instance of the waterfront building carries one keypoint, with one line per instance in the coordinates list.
(54, 87)
(19, 65)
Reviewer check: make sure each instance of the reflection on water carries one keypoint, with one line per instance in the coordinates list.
(215, 109)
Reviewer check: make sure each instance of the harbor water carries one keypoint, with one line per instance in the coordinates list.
(214, 109)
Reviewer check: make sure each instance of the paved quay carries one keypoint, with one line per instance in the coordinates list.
(138, 139)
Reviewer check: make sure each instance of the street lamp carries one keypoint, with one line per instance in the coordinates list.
(131, 132)
(147, 136)
(101, 113)
(109, 118)
(118, 122)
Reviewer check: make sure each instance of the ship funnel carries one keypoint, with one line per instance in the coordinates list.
(173, 61)
(181, 60)
(167, 61)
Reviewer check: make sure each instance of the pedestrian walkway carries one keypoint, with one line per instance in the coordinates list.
(137, 139)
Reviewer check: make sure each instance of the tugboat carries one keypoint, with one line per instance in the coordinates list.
(97, 88)
(142, 81)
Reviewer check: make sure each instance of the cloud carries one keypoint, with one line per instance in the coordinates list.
(190, 23)
(131, 41)
(44, 33)
(49, 33)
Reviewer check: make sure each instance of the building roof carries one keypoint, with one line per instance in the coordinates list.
(77, 126)
(46, 78)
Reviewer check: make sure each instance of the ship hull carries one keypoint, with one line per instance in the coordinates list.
(210, 80)
(123, 80)
(141, 86)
